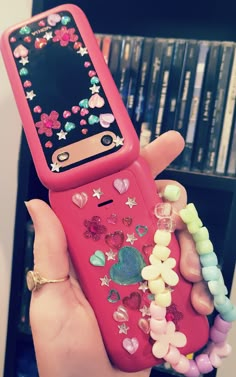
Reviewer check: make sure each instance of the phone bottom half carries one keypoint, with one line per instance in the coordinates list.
(110, 225)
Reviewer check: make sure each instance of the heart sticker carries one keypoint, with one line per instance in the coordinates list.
(141, 230)
(144, 325)
(127, 221)
(113, 296)
(128, 269)
(53, 19)
(98, 259)
(121, 185)
(121, 315)
(106, 119)
(115, 240)
(20, 52)
(133, 301)
(80, 199)
(131, 345)
(96, 101)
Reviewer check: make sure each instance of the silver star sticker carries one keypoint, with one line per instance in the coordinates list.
(62, 135)
(24, 61)
(143, 286)
(48, 35)
(145, 311)
(82, 51)
(55, 166)
(131, 238)
(105, 281)
(131, 202)
(111, 255)
(118, 141)
(97, 193)
(123, 329)
(30, 95)
(94, 89)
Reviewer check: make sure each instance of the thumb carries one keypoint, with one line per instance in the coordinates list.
(50, 248)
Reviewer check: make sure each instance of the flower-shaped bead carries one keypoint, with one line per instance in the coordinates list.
(170, 338)
(163, 269)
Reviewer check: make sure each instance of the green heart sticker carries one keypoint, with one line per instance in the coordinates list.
(98, 259)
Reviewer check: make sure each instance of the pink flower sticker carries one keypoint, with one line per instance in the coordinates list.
(48, 123)
(65, 36)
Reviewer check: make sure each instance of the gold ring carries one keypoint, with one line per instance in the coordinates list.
(35, 281)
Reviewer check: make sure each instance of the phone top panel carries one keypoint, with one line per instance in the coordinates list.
(75, 122)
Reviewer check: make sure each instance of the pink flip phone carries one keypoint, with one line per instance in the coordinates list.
(86, 152)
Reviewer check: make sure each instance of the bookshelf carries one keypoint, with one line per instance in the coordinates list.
(150, 18)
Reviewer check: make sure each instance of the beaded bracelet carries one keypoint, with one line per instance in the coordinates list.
(159, 273)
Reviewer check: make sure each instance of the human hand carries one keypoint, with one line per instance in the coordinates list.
(66, 335)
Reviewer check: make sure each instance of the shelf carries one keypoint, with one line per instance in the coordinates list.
(201, 180)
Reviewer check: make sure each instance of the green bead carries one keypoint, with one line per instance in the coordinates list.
(172, 193)
(192, 207)
(204, 247)
(194, 226)
(187, 215)
(201, 235)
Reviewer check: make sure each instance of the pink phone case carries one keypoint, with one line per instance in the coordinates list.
(86, 153)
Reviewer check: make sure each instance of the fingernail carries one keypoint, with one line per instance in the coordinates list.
(171, 193)
(194, 266)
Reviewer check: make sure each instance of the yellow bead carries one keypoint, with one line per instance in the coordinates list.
(162, 237)
(163, 299)
(156, 286)
(194, 226)
(149, 273)
(161, 252)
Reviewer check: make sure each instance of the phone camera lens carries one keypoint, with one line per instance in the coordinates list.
(106, 140)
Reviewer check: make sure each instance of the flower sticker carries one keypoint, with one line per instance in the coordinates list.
(47, 123)
(94, 228)
(169, 338)
(65, 36)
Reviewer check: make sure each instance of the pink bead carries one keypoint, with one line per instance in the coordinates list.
(173, 355)
(217, 336)
(156, 311)
(193, 370)
(222, 325)
(158, 326)
(182, 366)
(203, 363)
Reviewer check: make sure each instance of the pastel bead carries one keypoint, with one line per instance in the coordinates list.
(156, 286)
(209, 259)
(173, 355)
(157, 312)
(193, 370)
(182, 366)
(157, 327)
(222, 325)
(220, 299)
(210, 273)
(229, 316)
(224, 307)
(187, 215)
(171, 193)
(192, 208)
(149, 272)
(217, 336)
(201, 235)
(194, 226)
(203, 363)
(204, 247)
(216, 287)
(161, 252)
(163, 299)
(161, 237)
